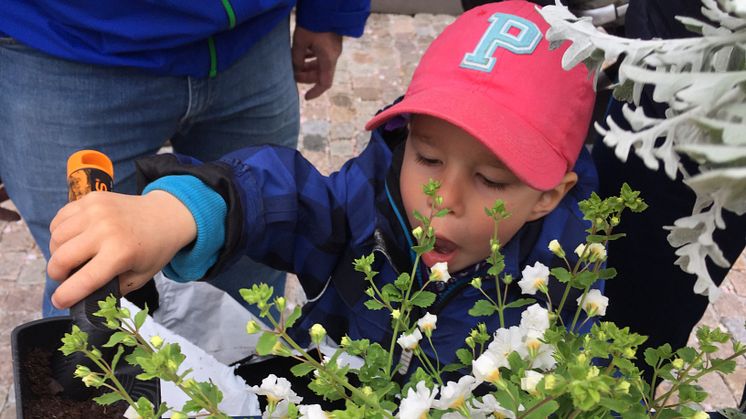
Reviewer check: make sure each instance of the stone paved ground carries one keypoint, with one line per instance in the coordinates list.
(373, 70)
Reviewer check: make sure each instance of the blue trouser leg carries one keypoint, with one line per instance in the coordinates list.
(50, 108)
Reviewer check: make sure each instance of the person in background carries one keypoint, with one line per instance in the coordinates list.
(124, 77)
(655, 296)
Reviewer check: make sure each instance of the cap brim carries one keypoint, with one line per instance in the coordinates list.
(523, 149)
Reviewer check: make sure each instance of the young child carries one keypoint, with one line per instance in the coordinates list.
(489, 113)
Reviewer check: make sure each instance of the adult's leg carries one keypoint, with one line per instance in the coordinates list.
(254, 102)
(50, 108)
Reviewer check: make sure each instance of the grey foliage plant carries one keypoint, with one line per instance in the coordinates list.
(702, 79)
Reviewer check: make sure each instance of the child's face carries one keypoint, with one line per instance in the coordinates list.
(472, 178)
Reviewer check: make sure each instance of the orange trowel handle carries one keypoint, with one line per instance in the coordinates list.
(88, 171)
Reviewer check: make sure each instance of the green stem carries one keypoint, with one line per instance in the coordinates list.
(535, 407)
(371, 402)
(427, 364)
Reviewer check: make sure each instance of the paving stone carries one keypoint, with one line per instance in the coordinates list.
(10, 264)
(719, 394)
(341, 99)
(730, 305)
(342, 148)
(33, 271)
(314, 142)
(345, 130)
(738, 280)
(735, 326)
(16, 237)
(9, 411)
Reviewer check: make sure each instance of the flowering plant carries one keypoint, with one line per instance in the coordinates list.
(535, 369)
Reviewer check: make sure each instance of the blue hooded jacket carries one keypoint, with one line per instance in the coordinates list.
(281, 211)
(178, 38)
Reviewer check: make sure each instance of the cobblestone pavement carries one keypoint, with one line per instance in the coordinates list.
(372, 71)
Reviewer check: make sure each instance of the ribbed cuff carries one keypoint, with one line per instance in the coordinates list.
(209, 211)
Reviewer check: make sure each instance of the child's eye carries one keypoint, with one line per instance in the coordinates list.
(491, 184)
(427, 162)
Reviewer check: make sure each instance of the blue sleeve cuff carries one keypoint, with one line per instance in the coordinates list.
(209, 211)
(343, 17)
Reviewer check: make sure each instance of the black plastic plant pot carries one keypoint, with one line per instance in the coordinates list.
(35, 354)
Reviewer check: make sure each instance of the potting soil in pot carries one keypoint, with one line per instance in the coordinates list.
(45, 400)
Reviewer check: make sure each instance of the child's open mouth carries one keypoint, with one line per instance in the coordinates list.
(444, 251)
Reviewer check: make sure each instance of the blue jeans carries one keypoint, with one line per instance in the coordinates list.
(50, 108)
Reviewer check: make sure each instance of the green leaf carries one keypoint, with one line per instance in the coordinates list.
(266, 343)
(374, 305)
(453, 367)
(562, 275)
(482, 308)
(585, 279)
(465, 356)
(423, 299)
(607, 273)
(725, 366)
(520, 302)
(116, 338)
(140, 318)
(687, 354)
(403, 281)
(108, 398)
(651, 357)
(300, 370)
(294, 316)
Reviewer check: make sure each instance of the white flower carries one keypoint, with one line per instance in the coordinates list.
(280, 412)
(504, 342)
(313, 411)
(439, 272)
(595, 303)
(417, 403)
(534, 278)
(596, 251)
(452, 396)
(490, 405)
(580, 250)
(276, 389)
(409, 341)
(487, 367)
(540, 354)
(428, 322)
(530, 380)
(535, 318)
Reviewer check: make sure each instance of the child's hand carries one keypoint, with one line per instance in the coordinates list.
(108, 234)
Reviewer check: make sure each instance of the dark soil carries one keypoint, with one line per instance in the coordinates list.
(44, 399)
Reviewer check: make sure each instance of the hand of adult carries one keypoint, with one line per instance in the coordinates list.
(315, 57)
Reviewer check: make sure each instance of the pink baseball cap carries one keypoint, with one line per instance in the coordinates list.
(492, 74)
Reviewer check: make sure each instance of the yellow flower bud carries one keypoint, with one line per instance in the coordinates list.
(550, 381)
(346, 341)
(629, 353)
(556, 248)
(700, 415)
(623, 387)
(178, 415)
(253, 327)
(396, 313)
(678, 363)
(156, 341)
(476, 282)
(417, 232)
(317, 333)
